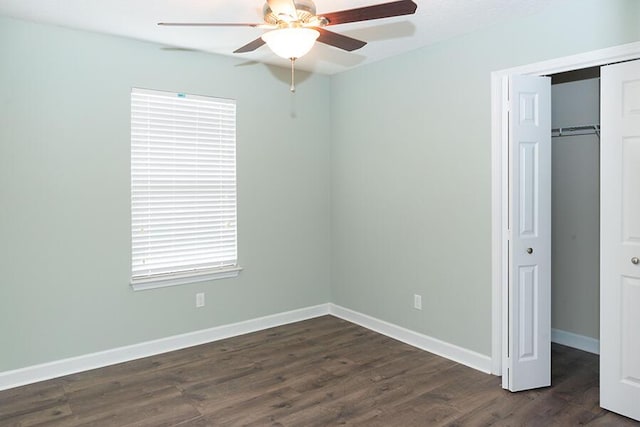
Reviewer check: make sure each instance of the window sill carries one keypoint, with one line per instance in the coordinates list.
(184, 279)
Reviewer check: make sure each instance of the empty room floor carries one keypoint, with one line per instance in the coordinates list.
(319, 372)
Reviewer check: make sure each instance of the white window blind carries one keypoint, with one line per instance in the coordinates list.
(183, 188)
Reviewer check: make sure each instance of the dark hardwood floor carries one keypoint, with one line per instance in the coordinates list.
(320, 372)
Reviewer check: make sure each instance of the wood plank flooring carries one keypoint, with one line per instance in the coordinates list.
(320, 372)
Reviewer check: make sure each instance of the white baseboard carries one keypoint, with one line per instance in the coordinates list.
(432, 345)
(45, 371)
(58, 368)
(580, 342)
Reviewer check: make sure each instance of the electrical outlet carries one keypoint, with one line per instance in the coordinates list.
(200, 299)
(417, 302)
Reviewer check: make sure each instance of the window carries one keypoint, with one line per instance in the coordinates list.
(183, 189)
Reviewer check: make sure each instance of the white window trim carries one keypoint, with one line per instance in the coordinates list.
(185, 278)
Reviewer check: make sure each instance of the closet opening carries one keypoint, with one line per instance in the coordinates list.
(575, 228)
(522, 168)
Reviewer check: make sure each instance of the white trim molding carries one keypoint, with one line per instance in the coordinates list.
(58, 368)
(581, 342)
(185, 278)
(432, 345)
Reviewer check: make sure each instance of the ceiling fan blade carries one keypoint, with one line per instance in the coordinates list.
(378, 11)
(251, 46)
(208, 24)
(338, 40)
(284, 10)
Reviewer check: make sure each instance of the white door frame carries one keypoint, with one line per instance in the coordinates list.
(499, 171)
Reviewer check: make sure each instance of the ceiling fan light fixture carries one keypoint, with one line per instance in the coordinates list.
(291, 43)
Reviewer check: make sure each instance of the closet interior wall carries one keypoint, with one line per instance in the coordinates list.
(575, 270)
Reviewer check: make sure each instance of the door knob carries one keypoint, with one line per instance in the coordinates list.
(530, 251)
(635, 260)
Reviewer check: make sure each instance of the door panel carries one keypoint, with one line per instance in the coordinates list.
(620, 239)
(527, 305)
(529, 288)
(630, 184)
(630, 321)
(528, 191)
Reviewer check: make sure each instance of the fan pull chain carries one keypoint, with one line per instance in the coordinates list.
(293, 82)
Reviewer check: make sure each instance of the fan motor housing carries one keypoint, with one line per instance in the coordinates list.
(306, 11)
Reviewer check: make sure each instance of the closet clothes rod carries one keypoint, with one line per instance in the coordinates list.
(576, 130)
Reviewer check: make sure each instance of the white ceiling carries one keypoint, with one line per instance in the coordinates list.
(434, 21)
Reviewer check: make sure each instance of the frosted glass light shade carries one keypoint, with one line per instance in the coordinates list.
(291, 42)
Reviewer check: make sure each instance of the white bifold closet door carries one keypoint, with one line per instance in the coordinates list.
(529, 283)
(620, 239)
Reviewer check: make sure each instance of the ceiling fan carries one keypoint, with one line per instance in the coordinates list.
(295, 27)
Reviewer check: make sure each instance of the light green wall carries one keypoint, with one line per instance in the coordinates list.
(64, 193)
(393, 192)
(411, 168)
